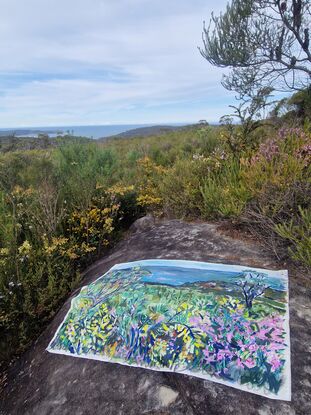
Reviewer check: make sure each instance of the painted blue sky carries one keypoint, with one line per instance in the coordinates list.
(79, 62)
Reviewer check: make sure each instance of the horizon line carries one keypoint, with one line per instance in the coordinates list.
(107, 125)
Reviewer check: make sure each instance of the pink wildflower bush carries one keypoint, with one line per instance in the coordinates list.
(237, 346)
(288, 141)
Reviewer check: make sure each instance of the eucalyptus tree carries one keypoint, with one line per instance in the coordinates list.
(264, 42)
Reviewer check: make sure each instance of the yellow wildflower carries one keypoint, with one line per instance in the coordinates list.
(25, 248)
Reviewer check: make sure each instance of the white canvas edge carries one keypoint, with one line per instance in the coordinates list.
(284, 392)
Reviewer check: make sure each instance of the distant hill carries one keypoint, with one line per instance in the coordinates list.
(10, 141)
(146, 131)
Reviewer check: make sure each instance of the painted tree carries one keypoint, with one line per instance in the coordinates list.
(252, 284)
(264, 42)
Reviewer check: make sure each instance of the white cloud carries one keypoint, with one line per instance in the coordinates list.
(82, 62)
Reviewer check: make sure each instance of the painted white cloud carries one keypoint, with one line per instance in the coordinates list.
(93, 62)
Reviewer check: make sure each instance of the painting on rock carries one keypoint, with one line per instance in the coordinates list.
(224, 323)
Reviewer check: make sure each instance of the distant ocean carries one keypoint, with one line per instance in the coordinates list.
(90, 131)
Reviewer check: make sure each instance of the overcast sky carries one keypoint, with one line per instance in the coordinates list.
(82, 62)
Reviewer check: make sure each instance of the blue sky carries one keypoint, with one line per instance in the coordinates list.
(82, 62)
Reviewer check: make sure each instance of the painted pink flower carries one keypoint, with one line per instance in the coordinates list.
(242, 345)
(221, 354)
(262, 334)
(239, 363)
(249, 362)
(277, 334)
(275, 363)
(253, 347)
(206, 352)
(276, 346)
(209, 357)
(195, 320)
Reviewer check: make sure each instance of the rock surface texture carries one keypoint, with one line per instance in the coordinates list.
(41, 383)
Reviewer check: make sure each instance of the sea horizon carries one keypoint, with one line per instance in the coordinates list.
(89, 131)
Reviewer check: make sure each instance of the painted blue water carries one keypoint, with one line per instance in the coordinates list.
(177, 276)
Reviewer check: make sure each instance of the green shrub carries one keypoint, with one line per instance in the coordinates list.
(224, 192)
(33, 285)
(56, 216)
(278, 176)
(298, 233)
(180, 187)
(80, 168)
